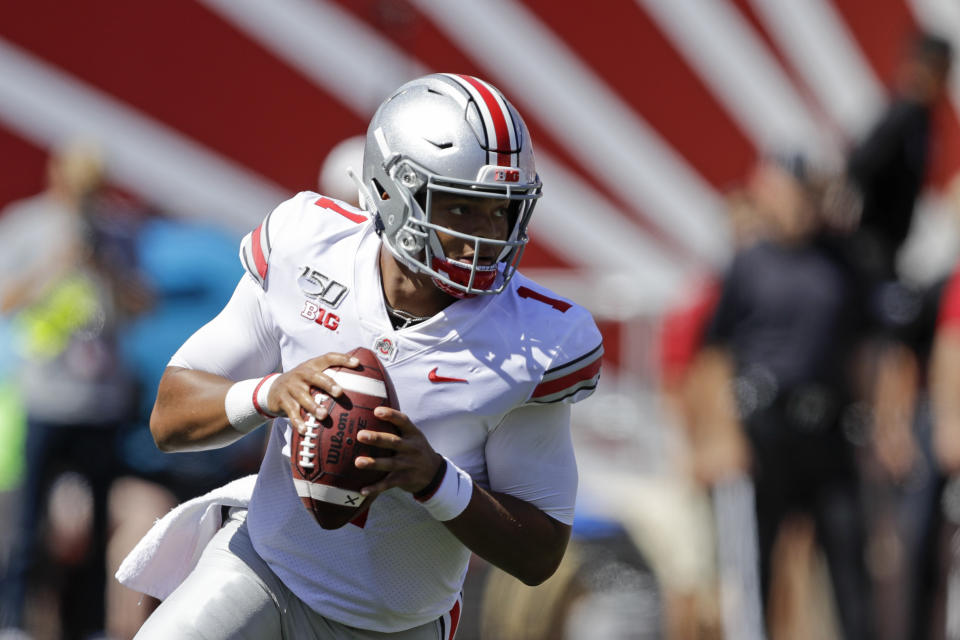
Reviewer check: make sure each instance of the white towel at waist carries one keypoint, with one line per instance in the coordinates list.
(167, 554)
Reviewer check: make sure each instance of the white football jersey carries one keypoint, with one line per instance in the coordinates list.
(488, 381)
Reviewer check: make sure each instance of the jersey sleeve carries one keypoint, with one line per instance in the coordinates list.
(530, 456)
(290, 224)
(238, 343)
(256, 246)
(574, 371)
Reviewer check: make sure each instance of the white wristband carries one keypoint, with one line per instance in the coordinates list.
(246, 403)
(452, 496)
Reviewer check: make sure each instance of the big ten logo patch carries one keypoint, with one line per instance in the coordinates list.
(316, 313)
(323, 293)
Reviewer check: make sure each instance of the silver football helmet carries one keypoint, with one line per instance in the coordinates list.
(454, 134)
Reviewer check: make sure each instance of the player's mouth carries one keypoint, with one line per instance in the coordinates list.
(482, 261)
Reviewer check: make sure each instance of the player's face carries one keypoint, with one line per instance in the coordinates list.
(483, 217)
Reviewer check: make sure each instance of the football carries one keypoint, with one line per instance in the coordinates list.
(321, 459)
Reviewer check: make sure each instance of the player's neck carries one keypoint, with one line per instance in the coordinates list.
(413, 293)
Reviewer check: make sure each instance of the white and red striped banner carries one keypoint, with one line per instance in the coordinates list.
(642, 115)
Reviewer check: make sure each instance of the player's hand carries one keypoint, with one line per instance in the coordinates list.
(413, 463)
(291, 391)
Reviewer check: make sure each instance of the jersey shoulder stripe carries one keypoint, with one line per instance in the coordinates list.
(297, 218)
(572, 381)
(255, 251)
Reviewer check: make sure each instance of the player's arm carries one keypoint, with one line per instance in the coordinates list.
(530, 455)
(189, 413)
(193, 413)
(522, 524)
(219, 386)
(512, 534)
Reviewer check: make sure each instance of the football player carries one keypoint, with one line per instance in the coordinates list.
(484, 361)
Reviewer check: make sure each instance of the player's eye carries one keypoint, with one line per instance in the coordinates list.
(457, 210)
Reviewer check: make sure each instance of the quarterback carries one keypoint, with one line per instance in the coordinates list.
(485, 364)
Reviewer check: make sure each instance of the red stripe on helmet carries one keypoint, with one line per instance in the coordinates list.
(499, 119)
(258, 259)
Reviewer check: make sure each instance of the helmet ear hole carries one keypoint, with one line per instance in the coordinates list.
(379, 190)
(421, 197)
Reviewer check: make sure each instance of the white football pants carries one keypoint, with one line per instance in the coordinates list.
(233, 595)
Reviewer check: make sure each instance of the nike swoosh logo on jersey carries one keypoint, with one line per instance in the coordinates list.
(433, 377)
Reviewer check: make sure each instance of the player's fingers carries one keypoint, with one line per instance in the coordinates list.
(318, 366)
(389, 482)
(313, 402)
(305, 400)
(401, 471)
(291, 409)
(332, 359)
(397, 418)
(378, 464)
(374, 489)
(380, 439)
(326, 383)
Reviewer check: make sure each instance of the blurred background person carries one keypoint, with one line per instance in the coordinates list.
(900, 479)
(936, 600)
(780, 348)
(889, 167)
(69, 281)
(946, 366)
(710, 455)
(100, 291)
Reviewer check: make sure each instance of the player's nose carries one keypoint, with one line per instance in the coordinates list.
(488, 224)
